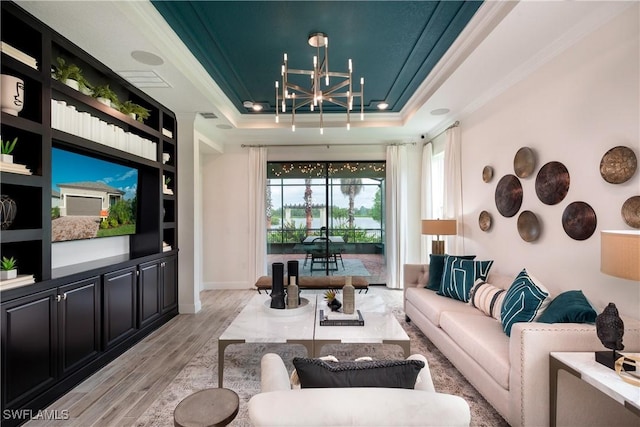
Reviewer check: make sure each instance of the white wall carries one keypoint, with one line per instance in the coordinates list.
(572, 110)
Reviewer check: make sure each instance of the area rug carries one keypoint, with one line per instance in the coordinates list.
(242, 371)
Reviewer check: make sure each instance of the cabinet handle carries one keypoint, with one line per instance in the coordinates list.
(58, 298)
(162, 264)
(64, 296)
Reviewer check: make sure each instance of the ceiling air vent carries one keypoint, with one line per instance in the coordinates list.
(209, 115)
(144, 79)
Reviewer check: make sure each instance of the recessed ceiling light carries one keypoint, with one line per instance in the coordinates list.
(382, 105)
(257, 107)
(147, 58)
(247, 104)
(439, 111)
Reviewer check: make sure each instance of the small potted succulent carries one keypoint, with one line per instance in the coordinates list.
(8, 268)
(332, 300)
(105, 95)
(6, 148)
(71, 75)
(137, 112)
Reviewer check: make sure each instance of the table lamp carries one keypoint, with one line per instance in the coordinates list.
(439, 227)
(619, 257)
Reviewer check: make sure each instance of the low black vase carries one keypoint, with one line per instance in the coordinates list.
(334, 304)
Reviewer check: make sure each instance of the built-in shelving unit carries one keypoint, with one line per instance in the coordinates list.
(147, 275)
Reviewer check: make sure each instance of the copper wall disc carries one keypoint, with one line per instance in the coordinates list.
(528, 226)
(631, 211)
(552, 183)
(579, 220)
(508, 195)
(484, 220)
(618, 165)
(524, 162)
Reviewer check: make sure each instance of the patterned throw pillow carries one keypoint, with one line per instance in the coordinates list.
(436, 268)
(459, 276)
(526, 299)
(315, 373)
(569, 307)
(487, 298)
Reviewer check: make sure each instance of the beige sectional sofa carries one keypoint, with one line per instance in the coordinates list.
(512, 373)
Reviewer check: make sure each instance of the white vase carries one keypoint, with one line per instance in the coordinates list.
(105, 101)
(73, 84)
(12, 91)
(6, 158)
(132, 115)
(8, 274)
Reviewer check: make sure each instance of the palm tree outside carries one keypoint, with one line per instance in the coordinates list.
(351, 187)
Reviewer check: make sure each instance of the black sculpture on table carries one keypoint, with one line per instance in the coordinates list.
(610, 329)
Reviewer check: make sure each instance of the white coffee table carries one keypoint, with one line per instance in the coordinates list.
(380, 326)
(257, 323)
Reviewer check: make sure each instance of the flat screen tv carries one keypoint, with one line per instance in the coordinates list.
(91, 197)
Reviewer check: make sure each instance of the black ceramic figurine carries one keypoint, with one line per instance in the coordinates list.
(610, 329)
(277, 285)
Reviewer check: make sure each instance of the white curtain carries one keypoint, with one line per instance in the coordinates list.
(396, 214)
(257, 213)
(426, 200)
(453, 188)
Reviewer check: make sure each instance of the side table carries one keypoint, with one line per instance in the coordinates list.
(207, 408)
(584, 366)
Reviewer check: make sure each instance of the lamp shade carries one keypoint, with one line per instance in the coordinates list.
(439, 227)
(620, 253)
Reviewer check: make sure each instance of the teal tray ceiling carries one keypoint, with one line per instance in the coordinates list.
(394, 45)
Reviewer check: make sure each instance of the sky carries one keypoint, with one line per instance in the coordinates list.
(70, 167)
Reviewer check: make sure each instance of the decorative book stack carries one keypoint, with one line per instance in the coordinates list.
(341, 319)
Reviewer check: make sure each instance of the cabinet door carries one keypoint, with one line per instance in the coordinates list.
(119, 306)
(169, 284)
(79, 323)
(149, 287)
(29, 346)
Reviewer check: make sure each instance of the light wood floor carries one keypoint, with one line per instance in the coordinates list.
(124, 389)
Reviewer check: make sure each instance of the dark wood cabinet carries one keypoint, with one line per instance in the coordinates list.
(29, 346)
(169, 284)
(150, 289)
(77, 318)
(79, 323)
(119, 306)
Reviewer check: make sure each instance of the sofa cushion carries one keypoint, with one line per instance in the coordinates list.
(316, 373)
(433, 305)
(487, 298)
(526, 299)
(459, 276)
(480, 337)
(569, 307)
(436, 268)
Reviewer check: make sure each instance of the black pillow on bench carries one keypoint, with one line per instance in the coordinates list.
(316, 373)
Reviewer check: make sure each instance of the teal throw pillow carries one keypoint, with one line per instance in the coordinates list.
(436, 268)
(459, 276)
(569, 307)
(526, 299)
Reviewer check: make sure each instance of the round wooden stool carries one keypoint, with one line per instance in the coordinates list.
(205, 408)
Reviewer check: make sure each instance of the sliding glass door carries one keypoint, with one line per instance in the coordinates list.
(328, 216)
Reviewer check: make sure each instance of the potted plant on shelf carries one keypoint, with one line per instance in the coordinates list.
(6, 148)
(8, 268)
(105, 95)
(71, 75)
(137, 112)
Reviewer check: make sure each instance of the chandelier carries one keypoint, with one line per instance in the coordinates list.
(294, 96)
